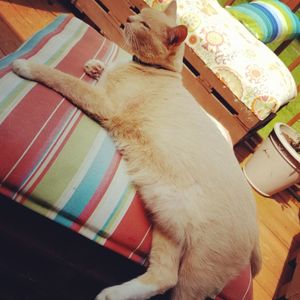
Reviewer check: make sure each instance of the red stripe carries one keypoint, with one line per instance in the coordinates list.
(117, 247)
(98, 195)
(21, 127)
(131, 230)
(139, 259)
(41, 43)
(85, 49)
(145, 245)
(107, 49)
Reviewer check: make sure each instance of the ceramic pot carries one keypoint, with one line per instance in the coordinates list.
(275, 165)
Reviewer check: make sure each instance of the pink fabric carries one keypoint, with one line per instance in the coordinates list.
(240, 288)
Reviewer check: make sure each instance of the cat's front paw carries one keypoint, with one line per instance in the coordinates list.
(111, 293)
(22, 68)
(94, 68)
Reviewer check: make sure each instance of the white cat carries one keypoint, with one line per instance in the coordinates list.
(205, 229)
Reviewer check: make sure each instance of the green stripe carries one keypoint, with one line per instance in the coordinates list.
(39, 206)
(9, 100)
(68, 161)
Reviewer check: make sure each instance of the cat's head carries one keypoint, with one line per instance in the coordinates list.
(154, 37)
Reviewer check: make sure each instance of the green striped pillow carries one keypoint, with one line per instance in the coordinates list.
(268, 20)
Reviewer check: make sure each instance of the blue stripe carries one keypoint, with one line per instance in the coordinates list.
(270, 19)
(29, 45)
(261, 15)
(89, 183)
(277, 15)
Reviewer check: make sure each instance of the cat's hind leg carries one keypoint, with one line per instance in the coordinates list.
(94, 68)
(93, 100)
(161, 275)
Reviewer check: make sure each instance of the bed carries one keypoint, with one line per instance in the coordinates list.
(61, 164)
(243, 94)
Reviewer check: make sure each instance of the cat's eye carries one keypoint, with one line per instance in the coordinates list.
(145, 24)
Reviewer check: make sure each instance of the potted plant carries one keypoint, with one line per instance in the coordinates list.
(275, 165)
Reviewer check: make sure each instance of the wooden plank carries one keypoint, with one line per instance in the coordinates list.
(140, 4)
(273, 250)
(30, 18)
(274, 254)
(10, 41)
(14, 20)
(296, 118)
(259, 293)
(108, 25)
(212, 81)
(294, 64)
(229, 2)
(293, 4)
(23, 19)
(284, 227)
(46, 8)
(2, 54)
(120, 10)
(282, 46)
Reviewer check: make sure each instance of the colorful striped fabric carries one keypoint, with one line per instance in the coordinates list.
(268, 20)
(57, 161)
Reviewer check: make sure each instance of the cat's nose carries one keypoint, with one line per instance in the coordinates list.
(129, 19)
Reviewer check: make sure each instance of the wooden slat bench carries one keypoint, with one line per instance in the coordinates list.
(210, 92)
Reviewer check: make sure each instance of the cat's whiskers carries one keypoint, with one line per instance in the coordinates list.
(131, 38)
(128, 41)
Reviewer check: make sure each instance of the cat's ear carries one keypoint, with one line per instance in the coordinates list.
(171, 10)
(177, 35)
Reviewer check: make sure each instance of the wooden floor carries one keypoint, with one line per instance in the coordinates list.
(279, 221)
(19, 19)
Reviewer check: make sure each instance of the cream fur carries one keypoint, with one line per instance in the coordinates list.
(204, 214)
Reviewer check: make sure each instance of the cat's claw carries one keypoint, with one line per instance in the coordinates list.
(94, 68)
(22, 68)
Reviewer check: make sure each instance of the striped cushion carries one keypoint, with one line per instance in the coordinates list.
(63, 165)
(56, 160)
(268, 20)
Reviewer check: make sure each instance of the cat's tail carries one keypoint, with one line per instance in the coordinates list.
(256, 259)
